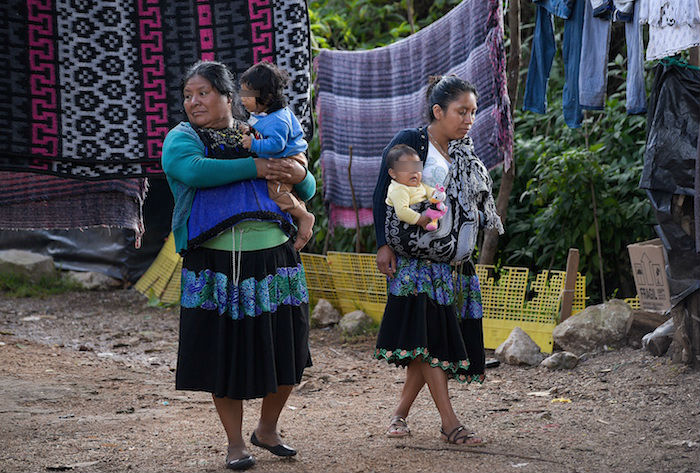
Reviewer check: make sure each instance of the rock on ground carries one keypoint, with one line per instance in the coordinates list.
(324, 314)
(594, 328)
(519, 349)
(560, 360)
(26, 263)
(355, 323)
(92, 280)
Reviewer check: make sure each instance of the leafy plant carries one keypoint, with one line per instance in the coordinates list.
(558, 169)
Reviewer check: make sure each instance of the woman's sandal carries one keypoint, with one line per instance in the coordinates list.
(398, 427)
(460, 436)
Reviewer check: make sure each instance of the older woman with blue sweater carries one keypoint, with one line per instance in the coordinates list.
(244, 303)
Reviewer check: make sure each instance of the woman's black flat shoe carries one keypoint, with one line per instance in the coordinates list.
(242, 463)
(280, 450)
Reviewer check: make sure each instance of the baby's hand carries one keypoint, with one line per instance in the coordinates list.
(247, 141)
(423, 221)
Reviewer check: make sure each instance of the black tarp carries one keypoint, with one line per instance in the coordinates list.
(669, 171)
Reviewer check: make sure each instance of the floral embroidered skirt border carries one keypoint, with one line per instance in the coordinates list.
(243, 340)
(433, 313)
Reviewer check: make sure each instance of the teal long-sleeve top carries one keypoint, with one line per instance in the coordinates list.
(187, 169)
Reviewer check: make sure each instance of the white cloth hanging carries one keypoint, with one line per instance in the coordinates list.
(674, 25)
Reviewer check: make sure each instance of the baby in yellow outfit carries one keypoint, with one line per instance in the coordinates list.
(406, 188)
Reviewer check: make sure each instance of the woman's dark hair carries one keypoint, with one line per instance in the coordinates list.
(443, 90)
(269, 81)
(395, 153)
(221, 78)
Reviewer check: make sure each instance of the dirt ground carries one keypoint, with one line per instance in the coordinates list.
(87, 384)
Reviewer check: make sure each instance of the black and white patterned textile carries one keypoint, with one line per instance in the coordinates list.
(468, 192)
(91, 87)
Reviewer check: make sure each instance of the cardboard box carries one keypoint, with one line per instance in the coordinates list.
(649, 269)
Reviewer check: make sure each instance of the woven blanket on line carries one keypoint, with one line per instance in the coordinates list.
(366, 97)
(35, 201)
(90, 88)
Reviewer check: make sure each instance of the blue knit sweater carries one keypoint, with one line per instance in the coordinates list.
(282, 135)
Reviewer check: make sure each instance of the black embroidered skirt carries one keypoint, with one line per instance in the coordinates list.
(243, 337)
(434, 314)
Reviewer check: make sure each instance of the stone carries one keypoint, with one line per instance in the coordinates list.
(92, 280)
(355, 323)
(597, 327)
(25, 263)
(519, 349)
(562, 360)
(324, 314)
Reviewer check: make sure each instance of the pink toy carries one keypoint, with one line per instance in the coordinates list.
(438, 207)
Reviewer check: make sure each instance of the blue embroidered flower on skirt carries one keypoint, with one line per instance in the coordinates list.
(471, 294)
(214, 291)
(416, 276)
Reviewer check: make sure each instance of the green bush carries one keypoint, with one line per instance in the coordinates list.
(551, 206)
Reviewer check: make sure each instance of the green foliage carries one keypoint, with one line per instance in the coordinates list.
(557, 169)
(367, 24)
(14, 285)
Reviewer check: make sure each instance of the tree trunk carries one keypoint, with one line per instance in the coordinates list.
(490, 244)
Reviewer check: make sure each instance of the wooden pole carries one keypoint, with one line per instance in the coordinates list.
(489, 246)
(410, 13)
(597, 239)
(358, 246)
(569, 284)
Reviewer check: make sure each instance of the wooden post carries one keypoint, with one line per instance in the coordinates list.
(358, 246)
(569, 284)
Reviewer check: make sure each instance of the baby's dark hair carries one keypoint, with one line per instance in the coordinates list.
(443, 90)
(395, 153)
(269, 81)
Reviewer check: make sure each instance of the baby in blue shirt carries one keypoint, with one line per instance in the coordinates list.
(262, 94)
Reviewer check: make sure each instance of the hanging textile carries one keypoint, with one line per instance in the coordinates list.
(674, 25)
(366, 97)
(542, 56)
(95, 85)
(595, 48)
(36, 201)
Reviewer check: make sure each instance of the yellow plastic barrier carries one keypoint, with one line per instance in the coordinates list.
(359, 285)
(633, 302)
(162, 279)
(319, 279)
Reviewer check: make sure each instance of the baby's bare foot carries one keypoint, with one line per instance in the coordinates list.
(305, 231)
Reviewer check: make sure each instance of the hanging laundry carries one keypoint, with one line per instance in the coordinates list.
(616, 10)
(595, 46)
(543, 49)
(674, 25)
